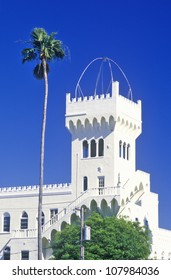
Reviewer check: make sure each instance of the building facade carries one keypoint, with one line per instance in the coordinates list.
(104, 177)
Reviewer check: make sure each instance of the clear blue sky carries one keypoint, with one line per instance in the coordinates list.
(136, 34)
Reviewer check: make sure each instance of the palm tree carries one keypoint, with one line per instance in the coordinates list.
(44, 48)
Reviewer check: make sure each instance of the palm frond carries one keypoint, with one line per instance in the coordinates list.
(38, 34)
(38, 71)
(28, 54)
(44, 46)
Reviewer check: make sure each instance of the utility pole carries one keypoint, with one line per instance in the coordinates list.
(84, 232)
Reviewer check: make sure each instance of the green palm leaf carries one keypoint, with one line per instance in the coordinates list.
(38, 71)
(44, 46)
(29, 54)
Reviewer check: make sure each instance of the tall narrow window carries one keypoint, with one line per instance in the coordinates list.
(24, 221)
(7, 253)
(124, 150)
(6, 226)
(128, 152)
(93, 148)
(85, 183)
(101, 182)
(120, 148)
(101, 185)
(85, 149)
(101, 148)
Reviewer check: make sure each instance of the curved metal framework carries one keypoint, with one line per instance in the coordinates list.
(78, 90)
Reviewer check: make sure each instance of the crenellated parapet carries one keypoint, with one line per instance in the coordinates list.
(103, 110)
(34, 188)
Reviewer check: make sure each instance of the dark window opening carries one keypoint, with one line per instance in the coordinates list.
(128, 152)
(25, 255)
(93, 148)
(85, 149)
(101, 148)
(7, 253)
(6, 226)
(85, 183)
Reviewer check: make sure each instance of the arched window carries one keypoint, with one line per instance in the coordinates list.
(101, 148)
(85, 149)
(128, 152)
(24, 221)
(120, 148)
(124, 150)
(85, 183)
(43, 218)
(93, 148)
(6, 226)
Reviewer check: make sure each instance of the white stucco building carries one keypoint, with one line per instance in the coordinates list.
(104, 130)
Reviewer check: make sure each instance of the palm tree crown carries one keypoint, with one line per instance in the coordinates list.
(44, 47)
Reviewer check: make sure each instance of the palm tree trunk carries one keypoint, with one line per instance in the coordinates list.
(42, 162)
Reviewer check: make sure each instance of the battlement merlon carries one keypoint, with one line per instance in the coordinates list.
(115, 105)
(50, 188)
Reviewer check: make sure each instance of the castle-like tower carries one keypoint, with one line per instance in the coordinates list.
(104, 130)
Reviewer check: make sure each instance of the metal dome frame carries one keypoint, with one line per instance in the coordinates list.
(78, 87)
